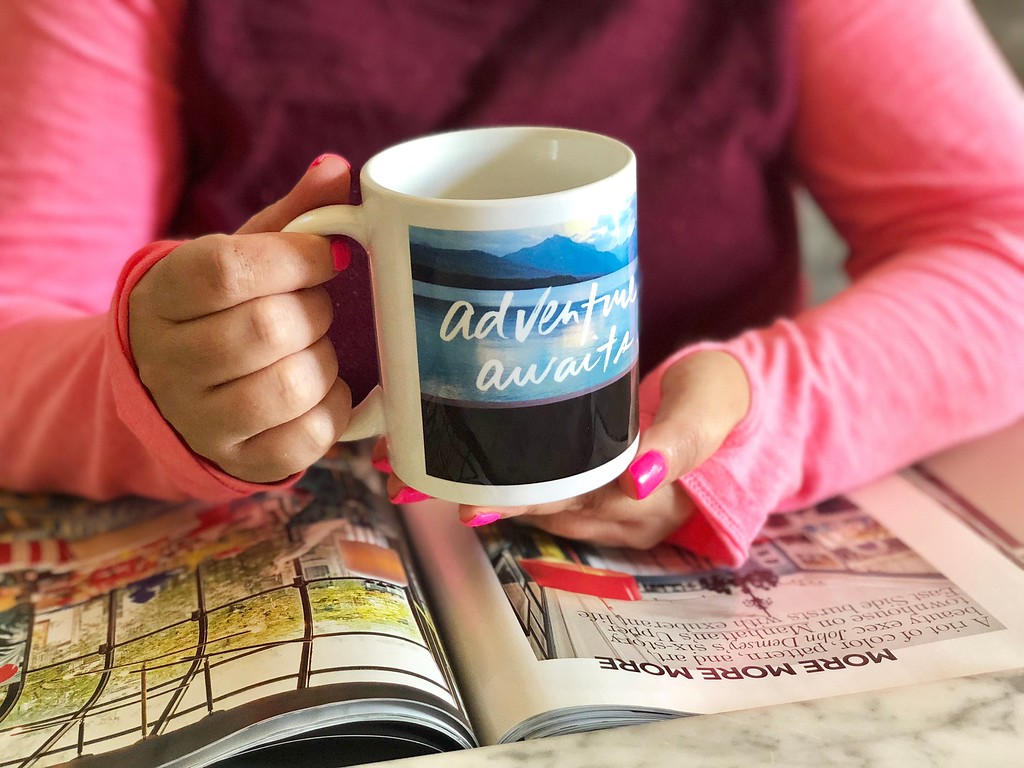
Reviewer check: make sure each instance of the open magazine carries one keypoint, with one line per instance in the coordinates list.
(321, 624)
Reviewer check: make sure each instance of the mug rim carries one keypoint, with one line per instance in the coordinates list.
(368, 174)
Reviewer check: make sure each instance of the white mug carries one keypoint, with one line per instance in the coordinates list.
(503, 263)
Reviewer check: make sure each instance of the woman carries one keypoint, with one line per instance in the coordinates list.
(127, 122)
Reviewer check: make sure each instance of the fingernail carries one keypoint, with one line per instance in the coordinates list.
(484, 518)
(382, 464)
(341, 251)
(408, 495)
(319, 160)
(647, 472)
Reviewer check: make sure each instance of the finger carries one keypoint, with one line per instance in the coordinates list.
(568, 526)
(326, 182)
(379, 456)
(617, 520)
(400, 493)
(475, 516)
(288, 448)
(703, 398)
(607, 502)
(272, 396)
(215, 272)
(241, 340)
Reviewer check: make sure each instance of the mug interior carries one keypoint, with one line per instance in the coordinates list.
(497, 163)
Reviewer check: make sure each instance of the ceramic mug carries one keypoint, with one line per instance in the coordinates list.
(504, 271)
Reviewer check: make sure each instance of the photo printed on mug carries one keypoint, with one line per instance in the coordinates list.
(527, 348)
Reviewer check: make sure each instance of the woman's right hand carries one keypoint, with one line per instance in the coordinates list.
(229, 335)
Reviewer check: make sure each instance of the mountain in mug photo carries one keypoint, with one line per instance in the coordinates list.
(525, 258)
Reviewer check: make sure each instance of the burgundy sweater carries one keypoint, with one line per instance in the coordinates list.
(704, 96)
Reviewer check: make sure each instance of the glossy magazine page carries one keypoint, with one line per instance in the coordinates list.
(182, 634)
(881, 588)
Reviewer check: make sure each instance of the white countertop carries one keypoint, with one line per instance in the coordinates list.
(965, 722)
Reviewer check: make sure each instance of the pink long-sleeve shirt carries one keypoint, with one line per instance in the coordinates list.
(908, 132)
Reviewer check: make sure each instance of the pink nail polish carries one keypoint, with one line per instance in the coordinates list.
(647, 472)
(484, 518)
(408, 495)
(341, 251)
(382, 465)
(319, 160)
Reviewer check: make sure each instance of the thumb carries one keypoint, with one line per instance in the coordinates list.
(326, 182)
(703, 397)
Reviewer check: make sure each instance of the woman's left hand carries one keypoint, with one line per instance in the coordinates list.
(703, 397)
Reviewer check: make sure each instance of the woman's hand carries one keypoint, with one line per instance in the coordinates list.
(703, 397)
(229, 336)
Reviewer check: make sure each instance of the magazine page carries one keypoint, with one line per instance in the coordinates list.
(879, 589)
(183, 633)
(961, 480)
(1003, 531)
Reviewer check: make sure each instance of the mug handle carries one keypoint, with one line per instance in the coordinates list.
(367, 419)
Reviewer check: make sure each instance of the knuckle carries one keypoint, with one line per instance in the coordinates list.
(293, 384)
(266, 462)
(284, 451)
(314, 435)
(269, 323)
(230, 270)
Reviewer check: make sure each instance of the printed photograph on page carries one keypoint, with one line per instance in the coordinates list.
(138, 620)
(826, 582)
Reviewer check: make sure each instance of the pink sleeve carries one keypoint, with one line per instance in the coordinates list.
(910, 134)
(90, 162)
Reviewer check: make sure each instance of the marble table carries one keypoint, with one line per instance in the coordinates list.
(967, 722)
(971, 722)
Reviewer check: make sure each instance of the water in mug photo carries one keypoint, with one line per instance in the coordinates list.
(527, 348)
